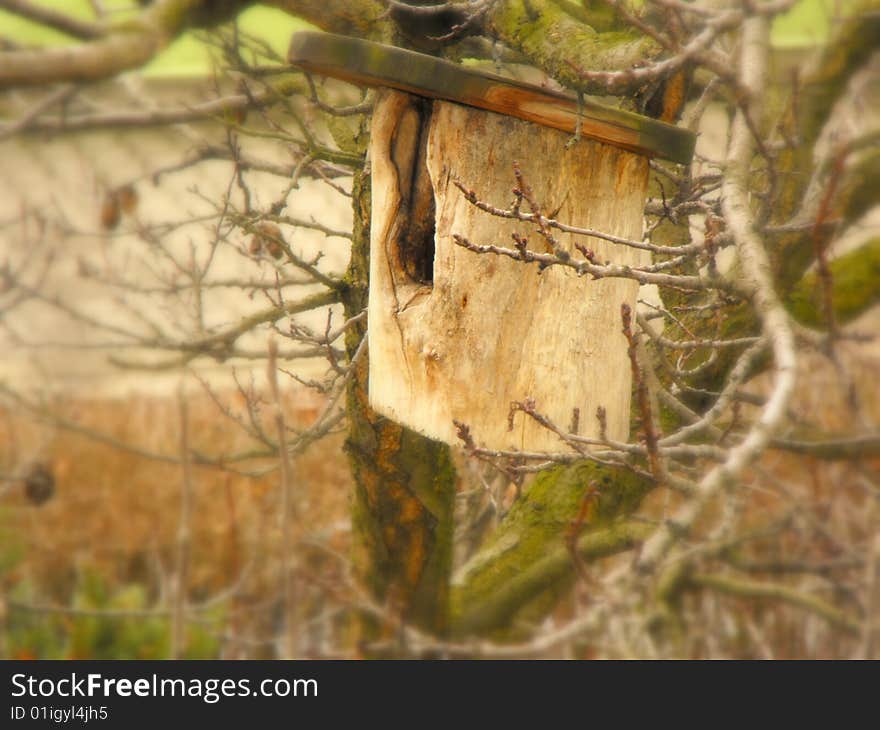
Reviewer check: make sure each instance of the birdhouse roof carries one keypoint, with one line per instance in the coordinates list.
(374, 64)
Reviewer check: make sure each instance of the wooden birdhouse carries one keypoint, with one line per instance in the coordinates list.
(456, 335)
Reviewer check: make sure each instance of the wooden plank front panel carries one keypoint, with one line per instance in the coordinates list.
(491, 330)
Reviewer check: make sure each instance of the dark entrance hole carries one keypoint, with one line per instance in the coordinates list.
(415, 242)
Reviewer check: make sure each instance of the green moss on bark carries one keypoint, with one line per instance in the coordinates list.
(361, 18)
(553, 40)
(855, 41)
(526, 563)
(402, 507)
(856, 287)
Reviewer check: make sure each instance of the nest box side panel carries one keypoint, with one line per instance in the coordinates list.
(487, 330)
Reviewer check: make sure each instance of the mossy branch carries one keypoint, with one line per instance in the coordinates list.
(833, 448)
(552, 39)
(527, 563)
(856, 278)
(497, 608)
(121, 46)
(808, 113)
(854, 41)
(361, 18)
(112, 48)
(856, 288)
(752, 589)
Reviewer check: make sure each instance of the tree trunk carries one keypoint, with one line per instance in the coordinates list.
(404, 483)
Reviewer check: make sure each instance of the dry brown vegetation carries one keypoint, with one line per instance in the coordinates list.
(114, 515)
